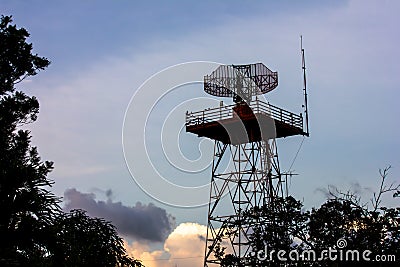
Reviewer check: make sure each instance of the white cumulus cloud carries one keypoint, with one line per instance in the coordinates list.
(184, 247)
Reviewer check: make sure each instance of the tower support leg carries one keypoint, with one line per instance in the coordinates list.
(245, 177)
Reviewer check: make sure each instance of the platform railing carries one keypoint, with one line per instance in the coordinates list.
(257, 106)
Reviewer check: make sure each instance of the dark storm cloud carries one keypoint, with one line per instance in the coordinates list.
(143, 222)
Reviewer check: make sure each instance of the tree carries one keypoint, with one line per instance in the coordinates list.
(27, 207)
(363, 227)
(16, 59)
(80, 240)
(343, 217)
(33, 229)
(277, 225)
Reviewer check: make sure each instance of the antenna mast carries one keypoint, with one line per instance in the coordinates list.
(303, 66)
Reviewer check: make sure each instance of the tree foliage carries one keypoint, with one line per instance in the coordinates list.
(342, 217)
(80, 240)
(16, 59)
(33, 229)
(26, 205)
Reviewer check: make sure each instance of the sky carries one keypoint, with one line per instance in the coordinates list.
(113, 61)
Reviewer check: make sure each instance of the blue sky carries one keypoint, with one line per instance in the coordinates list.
(102, 51)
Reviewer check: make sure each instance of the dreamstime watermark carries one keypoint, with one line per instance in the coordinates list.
(335, 253)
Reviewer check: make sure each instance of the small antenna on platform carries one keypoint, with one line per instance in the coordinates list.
(303, 66)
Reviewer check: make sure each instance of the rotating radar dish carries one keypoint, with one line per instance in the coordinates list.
(241, 82)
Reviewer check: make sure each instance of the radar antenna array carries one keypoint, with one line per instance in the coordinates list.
(241, 82)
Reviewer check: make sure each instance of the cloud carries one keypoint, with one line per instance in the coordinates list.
(184, 247)
(140, 222)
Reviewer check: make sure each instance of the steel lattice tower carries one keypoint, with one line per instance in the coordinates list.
(245, 171)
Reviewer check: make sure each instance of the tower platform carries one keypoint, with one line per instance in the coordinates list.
(242, 123)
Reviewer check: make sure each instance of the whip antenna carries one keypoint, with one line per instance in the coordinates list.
(303, 66)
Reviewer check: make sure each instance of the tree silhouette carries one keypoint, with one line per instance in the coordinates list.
(16, 59)
(342, 217)
(27, 207)
(33, 229)
(79, 240)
